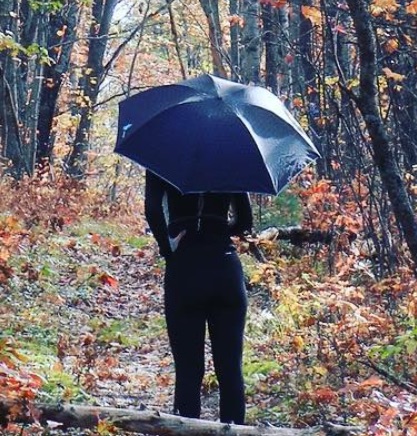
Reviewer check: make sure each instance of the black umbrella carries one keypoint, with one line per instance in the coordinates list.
(209, 134)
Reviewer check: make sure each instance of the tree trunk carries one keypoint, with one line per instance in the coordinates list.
(211, 10)
(309, 86)
(404, 105)
(11, 92)
(284, 77)
(234, 39)
(270, 36)
(176, 39)
(76, 161)
(61, 39)
(250, 53)
(34, 32)
(148, 422)
(368, 106)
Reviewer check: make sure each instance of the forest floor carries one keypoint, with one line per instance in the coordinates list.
(82, 321)
(85, 308)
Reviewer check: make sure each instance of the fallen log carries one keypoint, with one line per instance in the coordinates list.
(295, 235)
(299, 236)
(138, 421)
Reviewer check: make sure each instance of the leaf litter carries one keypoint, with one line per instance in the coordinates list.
(83, 311)
(98, 313)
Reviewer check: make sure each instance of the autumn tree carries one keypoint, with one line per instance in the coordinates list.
(60, 43)
(91, 77)
(37, 67)
(23, 56)
(367, 102)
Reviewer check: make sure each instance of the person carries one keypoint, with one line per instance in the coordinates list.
(203, 286)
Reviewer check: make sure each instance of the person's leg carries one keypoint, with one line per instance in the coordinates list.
(226, 332)
(186, 330)
(186, 335)
(226, 326)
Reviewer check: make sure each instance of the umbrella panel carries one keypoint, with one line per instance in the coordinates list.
(211, 134)
(200, 147)
(283, 149)
(137, 110)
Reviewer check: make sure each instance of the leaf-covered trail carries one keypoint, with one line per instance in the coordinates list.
(138, 352)
(115, 338)
(85, 306)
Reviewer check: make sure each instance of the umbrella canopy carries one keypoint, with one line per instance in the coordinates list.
(208, 134)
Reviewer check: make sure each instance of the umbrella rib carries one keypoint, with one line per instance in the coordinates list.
(165, 110)
(249, 128)
(238, 119)
(291, 123)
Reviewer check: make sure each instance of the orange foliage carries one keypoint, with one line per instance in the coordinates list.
(275, 3)
(384, 8)
(313, 14)
(58, 203)
(14, 383)
(411, 8)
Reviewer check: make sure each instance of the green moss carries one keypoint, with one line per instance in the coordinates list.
(256, 368)
(138, 241)
(61, 385)
(129, 332)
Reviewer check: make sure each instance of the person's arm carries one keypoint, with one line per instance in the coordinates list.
(243, 219)
(154, 212)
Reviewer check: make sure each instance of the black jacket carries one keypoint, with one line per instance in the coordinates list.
(168, 212)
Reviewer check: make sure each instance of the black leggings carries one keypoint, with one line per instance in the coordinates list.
(205, 284)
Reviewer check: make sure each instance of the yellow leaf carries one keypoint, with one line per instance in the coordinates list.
(331, 80)
(321, 370)
(256, 278)
(105, 428)
(313, 14)
(380, 7)
(19, 356)
(353, 83)
(4, 254)
(298, 343)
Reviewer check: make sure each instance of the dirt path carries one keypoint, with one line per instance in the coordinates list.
(87, 311)
(135, 368)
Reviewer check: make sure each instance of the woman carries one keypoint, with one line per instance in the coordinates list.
(204, 284)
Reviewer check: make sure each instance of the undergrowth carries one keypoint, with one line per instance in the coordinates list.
(81, 314)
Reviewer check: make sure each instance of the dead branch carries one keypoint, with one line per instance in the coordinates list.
(408, 386)
(342, 430)
(139, 421)
(298, 235)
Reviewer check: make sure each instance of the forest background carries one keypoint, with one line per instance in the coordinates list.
(332, 335)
